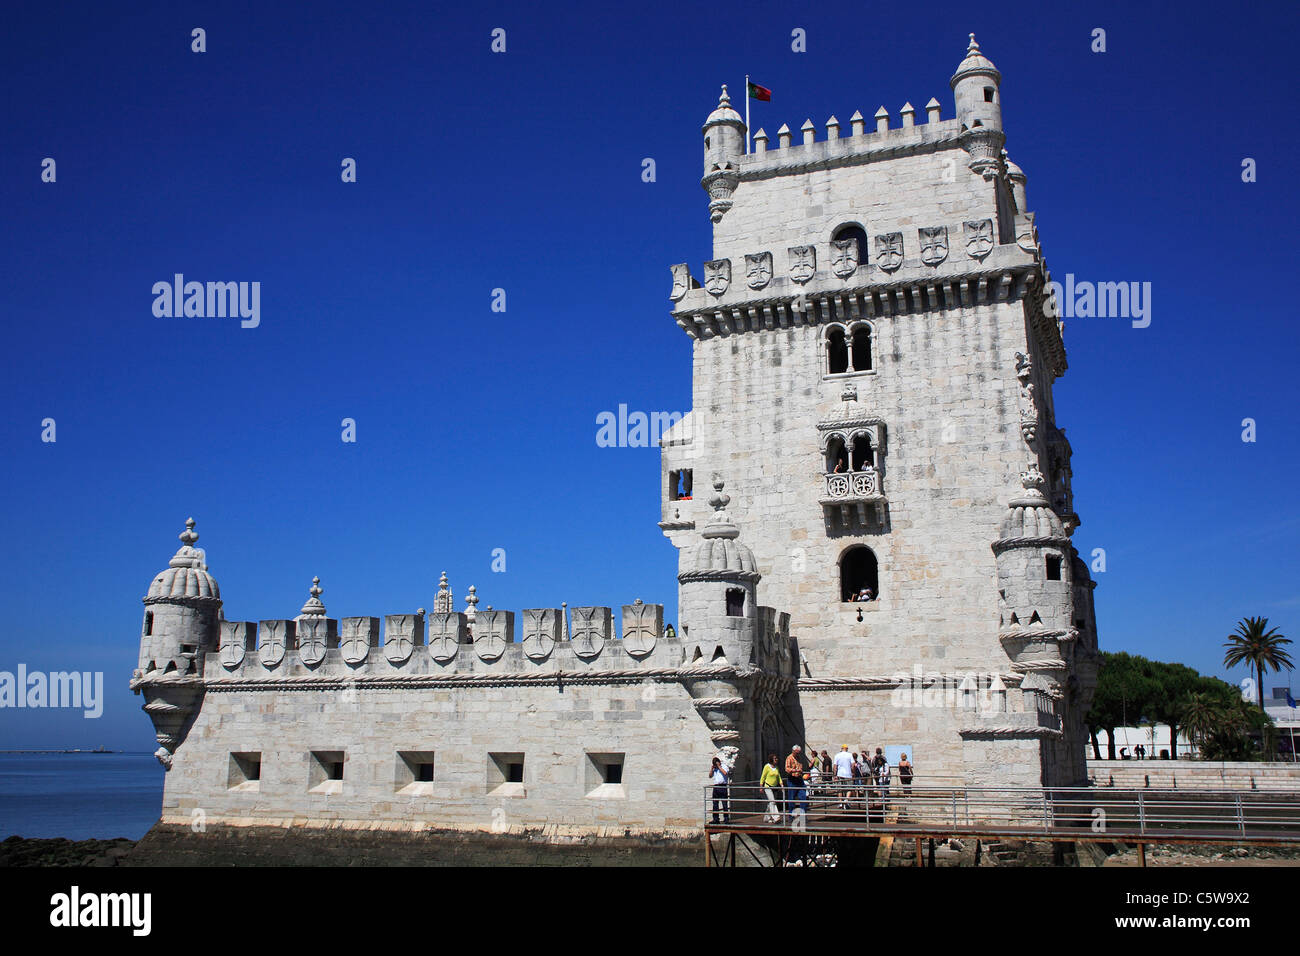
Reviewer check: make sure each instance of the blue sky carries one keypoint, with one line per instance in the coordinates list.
(476, 430)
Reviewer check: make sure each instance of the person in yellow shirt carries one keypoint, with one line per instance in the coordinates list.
(770, 781)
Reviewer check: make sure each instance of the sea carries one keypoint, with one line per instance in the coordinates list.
(80, 796)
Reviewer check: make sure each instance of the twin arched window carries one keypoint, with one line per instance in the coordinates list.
(848, 348)
(855, 455)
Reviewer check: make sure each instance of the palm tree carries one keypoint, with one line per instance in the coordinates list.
(1201, 715)
(1260, 646)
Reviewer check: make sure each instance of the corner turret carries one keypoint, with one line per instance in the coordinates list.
(976, 88)
(182, 620)
(724, 144)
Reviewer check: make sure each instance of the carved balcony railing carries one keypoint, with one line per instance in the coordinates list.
(853, 496)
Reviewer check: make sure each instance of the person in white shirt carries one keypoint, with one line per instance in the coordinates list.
(843, 763)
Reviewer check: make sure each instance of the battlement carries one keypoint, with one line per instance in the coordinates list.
(449, 644)
(859, 145)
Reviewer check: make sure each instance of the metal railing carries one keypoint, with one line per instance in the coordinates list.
(1088, 812)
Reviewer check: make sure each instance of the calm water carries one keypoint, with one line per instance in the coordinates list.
(79, 796)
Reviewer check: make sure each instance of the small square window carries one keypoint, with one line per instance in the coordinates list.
(1053, 567)
(604, 776)
(505, 774)
(245, 771)
(325, 771)
(414, 772)
(988, 94)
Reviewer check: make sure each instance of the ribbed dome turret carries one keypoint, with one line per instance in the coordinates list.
(975, 64)
(1030, 514)
(721, 553)
(723, 114)
(187, 575)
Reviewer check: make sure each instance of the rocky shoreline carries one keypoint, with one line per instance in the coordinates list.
(58, 851)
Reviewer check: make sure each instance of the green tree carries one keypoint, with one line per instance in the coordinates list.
(1260, 646)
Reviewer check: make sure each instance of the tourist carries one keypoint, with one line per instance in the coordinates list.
(882, 777)
(770, 781)
(844, 765)
(719, 776)
(796, 789)
(905, 773)
(827, 765)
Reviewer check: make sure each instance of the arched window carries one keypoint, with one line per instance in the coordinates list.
(857, 233)
(859, 575)
(862, 456)
(837, 351)
(861, 348)
(837, 458)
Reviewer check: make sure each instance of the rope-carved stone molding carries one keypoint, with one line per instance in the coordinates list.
(1004, 733)
(1002, 544)
(720, 702)
(398, 682)
(1049, 665)
(1035, 635)
(888, 683)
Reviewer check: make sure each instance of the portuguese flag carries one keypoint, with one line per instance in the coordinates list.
(757, 92)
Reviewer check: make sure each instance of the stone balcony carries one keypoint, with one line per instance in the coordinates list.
(853, 497)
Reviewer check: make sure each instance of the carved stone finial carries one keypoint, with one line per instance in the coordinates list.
(442, 601)
(1031, 479)
(725, 100)
(314, 607)
(189, 535)
(720, 500)
(973, 48)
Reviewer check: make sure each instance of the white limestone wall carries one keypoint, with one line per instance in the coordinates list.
(939, 376)
(666, 746)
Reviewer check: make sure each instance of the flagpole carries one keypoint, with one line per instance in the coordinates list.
(746, 114)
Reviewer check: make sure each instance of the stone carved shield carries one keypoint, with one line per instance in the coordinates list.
(275, 638)
(234, 643)
(803, 263)
(493, 630)
(889, 251)
(681, 281)
(446, 634)
(934, 244)
(844, 257)
(541, 631)
(401, 633)
(313, 640)
(979, 238)
(642, 624)
(592, 626)
(358, 637)
(758, 270)
(717, 276)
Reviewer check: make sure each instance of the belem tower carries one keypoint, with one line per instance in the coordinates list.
(871, 505)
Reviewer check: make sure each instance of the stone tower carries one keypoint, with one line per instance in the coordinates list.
(872, 371)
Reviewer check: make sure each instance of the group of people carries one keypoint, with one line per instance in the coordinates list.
(787, 787)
